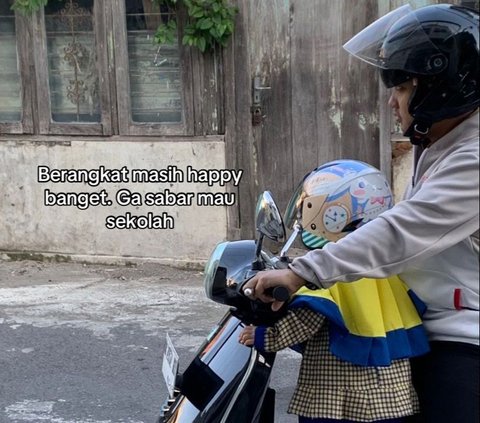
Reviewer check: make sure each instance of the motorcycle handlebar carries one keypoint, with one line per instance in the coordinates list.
(279, 293)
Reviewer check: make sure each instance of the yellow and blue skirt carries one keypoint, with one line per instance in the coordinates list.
(371, 321)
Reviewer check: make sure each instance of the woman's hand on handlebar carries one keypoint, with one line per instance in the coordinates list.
(263, 282)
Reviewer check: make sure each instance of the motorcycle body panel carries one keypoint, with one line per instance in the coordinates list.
(226, 381)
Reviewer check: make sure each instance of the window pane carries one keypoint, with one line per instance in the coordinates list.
(72, 71)
(154, 70)
(10, 93)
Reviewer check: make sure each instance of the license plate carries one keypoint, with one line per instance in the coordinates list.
(170, 365)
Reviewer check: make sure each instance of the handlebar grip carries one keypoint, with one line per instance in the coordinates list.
(280, 293)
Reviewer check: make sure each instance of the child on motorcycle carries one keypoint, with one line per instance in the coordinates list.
(356, 338)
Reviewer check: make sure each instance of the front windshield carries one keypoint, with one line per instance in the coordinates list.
(389, 43)
(292, 212)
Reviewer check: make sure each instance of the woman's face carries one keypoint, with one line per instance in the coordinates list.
(398, 101)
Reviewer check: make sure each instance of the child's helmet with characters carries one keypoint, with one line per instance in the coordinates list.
(337, 198)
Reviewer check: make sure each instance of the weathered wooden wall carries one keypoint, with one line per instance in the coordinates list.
(321, 105)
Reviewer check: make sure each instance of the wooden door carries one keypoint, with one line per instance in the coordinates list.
(321, 103)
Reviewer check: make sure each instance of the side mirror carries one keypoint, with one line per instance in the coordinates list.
(269, 223)
(268, 218)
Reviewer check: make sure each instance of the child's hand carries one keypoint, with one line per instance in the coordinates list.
(247, 336)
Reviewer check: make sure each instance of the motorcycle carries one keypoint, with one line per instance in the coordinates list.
(227, 381)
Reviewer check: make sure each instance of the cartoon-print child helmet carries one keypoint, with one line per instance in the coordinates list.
(337, 198)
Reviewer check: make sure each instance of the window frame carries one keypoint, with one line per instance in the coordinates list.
(46, 125)
(126, 125)
(25, 68)
(111, 47)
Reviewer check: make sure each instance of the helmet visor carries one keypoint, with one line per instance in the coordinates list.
(397, 41)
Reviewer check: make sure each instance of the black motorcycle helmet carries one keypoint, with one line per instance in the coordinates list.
(439, 46)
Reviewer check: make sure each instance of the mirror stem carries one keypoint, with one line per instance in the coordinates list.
(258, 264)
(293, 236)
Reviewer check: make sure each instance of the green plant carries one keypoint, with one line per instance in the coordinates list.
(210, 22)
(28, 6)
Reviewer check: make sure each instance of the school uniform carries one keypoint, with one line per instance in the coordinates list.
(355, 339)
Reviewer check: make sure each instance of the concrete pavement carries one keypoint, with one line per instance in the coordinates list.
(84, 343)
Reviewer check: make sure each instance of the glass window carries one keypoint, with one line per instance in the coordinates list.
(154, 70)
(10, 88)
(72, 69)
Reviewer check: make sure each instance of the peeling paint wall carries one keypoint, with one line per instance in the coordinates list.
(26, 224)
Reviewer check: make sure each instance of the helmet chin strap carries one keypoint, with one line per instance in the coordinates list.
(417, 132)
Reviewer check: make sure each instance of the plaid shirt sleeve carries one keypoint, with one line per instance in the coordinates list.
(296, 327)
